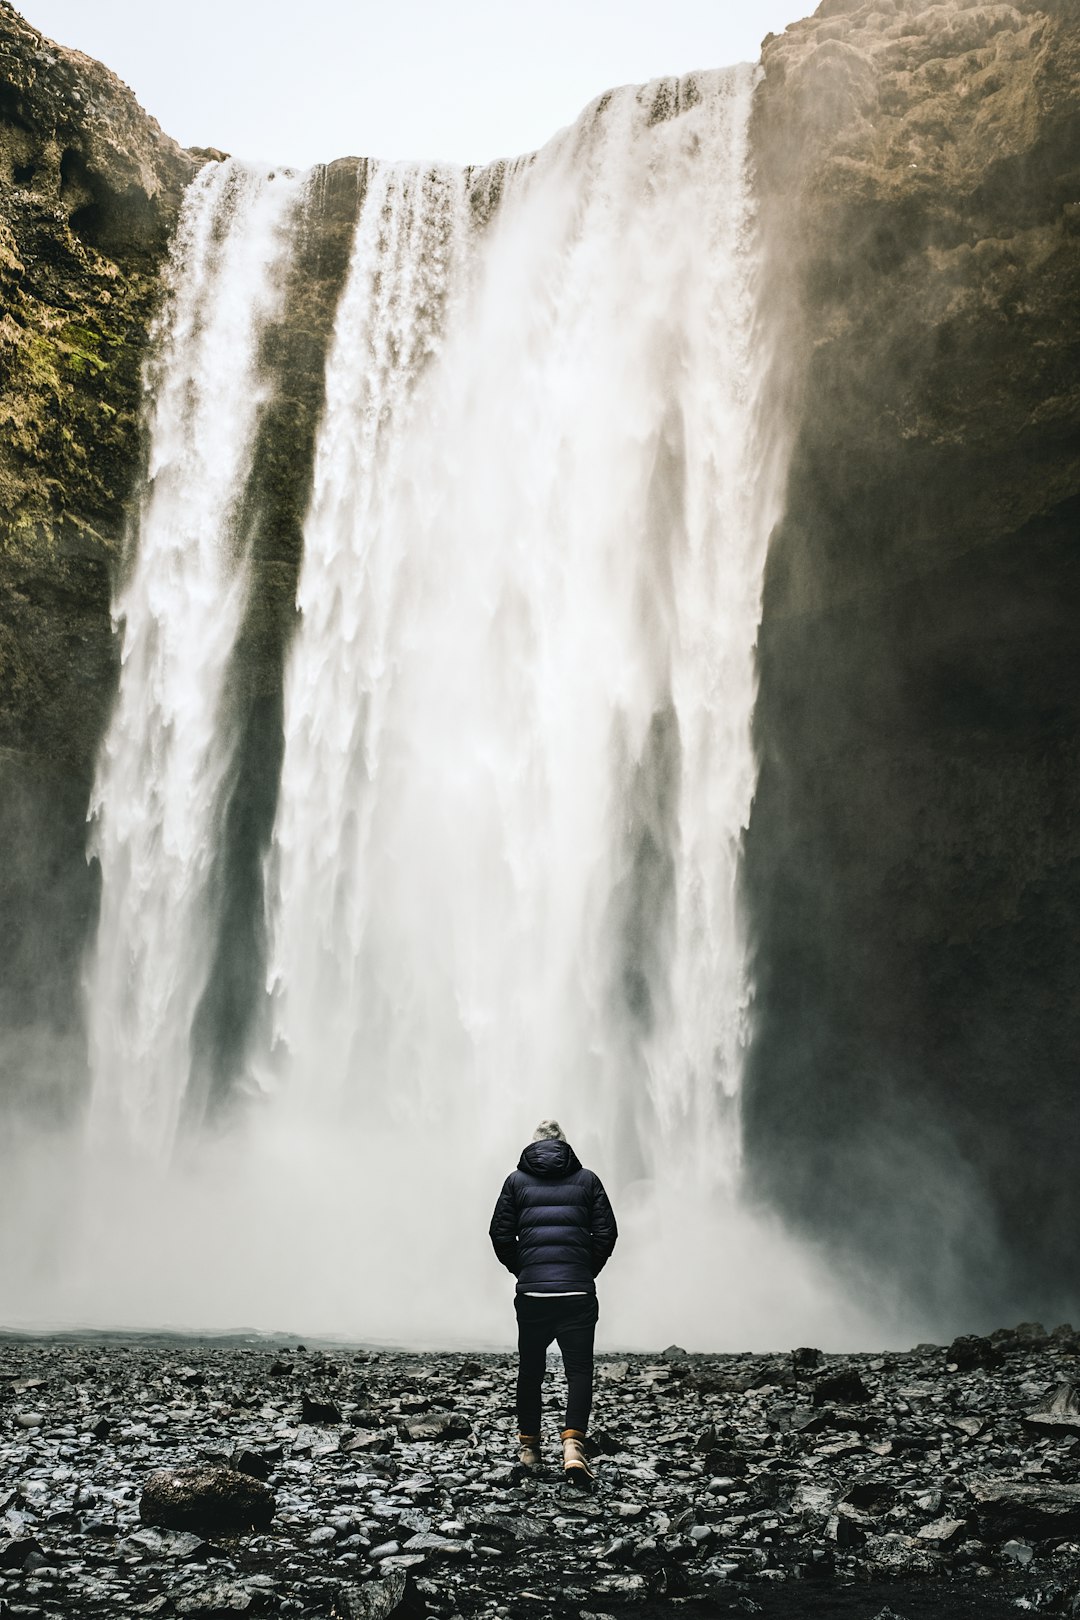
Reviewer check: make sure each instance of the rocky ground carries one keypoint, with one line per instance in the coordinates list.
(874, 1487)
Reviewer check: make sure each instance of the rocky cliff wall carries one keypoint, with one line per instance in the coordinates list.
(89, 191)
(913, 870)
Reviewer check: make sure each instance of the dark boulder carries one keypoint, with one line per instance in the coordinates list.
(15, 1550)
(250, 1462)
(369, 1440)
(845, 1386)
(209, 1499)
(723, 1464)
(874, 1494)
(315, 1411)
(970, 1351)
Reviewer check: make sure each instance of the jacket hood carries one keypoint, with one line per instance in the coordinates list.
(552, 1159)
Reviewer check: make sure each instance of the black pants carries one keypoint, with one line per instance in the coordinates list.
(571, 1319)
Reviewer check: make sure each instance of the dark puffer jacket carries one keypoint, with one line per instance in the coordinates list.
(553, 1226)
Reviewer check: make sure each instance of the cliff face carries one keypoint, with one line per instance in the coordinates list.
(913, 871)
(89, 191)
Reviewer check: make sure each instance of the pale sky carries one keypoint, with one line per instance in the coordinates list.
(299, 81)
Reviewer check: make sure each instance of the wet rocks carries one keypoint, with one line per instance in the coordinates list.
(217, 1500)
(717, 1485)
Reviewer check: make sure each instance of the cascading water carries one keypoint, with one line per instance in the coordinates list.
(157, 803)
(517, 767)
(518, 760)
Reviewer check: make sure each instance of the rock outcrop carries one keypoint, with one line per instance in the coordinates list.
(89, 191)
(913, 874)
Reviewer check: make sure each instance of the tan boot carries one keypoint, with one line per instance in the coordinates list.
(529, 1450)
(575, 1462)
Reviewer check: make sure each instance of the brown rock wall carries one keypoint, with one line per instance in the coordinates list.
(89, 190)
(913, 867)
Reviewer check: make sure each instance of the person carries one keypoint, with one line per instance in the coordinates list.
(554, 1228)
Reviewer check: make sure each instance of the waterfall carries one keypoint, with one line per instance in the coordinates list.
(157, 802)
(504, 870)
(518, 762)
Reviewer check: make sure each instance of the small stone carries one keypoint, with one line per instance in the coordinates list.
(625, 1586)
(440, 1426)
(391, 1598)
(442, 1546)
(219, 1598)
(313, 1411)
(942, 1532)
(900, 1553)
(250, 1462)
(1020, 1552)
(876, 1494)
(368, 1440)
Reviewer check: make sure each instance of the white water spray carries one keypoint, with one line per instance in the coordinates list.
(157, 803)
